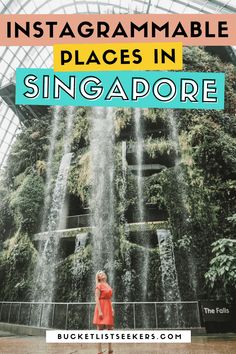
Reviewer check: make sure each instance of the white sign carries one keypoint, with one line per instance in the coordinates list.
(106, 336)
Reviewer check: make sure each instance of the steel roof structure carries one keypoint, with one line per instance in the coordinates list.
(13, 57)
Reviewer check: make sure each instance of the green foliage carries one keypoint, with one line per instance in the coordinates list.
(7, 226)
(72, 273)
(123, 119)
(81, 129)
(17, 262)
(198, 193)
(130, 274)
(153, 190)
(221, 275)
(125, 185)
(155, 115)
(196, 59)
(157, 147)
(213, 150)
(232, 219)
(27, 201)
(31, 145)
(79, 178)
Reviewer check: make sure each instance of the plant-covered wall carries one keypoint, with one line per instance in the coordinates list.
(197, 192)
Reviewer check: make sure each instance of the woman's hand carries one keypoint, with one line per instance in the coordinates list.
(113, 312)
(100, 314)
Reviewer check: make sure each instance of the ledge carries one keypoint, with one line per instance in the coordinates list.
(36, 331)
(83, 231)
(22, 329)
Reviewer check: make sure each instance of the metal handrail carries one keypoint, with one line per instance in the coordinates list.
(93, 302)
(66, 315)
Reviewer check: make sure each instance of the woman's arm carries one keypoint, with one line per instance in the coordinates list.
(97, 295)
(113, 313)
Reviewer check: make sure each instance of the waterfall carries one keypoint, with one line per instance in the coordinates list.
(139, 158)
(48, 182)
(144, 258)
(80, 242)
(168, 268)
(169, 278)
(48, 258)
(174, 133)
(68, 131)
(127, 277)
(180, 184)
(124, 163)
(45, 270)
(102, 193)
(50, 159)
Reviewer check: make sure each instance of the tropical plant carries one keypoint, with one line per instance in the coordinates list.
(27, 201)
(221, 275)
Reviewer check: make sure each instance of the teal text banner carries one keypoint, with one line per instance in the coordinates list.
(157, 89)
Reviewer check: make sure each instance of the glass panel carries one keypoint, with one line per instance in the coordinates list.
(145, 316)
(5, 312)
(14, 313)
(59, 316)
(124, 315)
(80, 316)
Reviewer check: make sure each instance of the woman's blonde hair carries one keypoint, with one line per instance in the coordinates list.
(97, 276)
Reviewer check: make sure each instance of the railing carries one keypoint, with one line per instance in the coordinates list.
(151, 214)
(79, 315)
(82, 220)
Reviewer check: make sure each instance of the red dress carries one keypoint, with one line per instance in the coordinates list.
(106, 306)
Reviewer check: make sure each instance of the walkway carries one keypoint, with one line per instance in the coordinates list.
(11, 344)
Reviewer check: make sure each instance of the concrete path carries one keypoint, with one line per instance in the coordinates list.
(13, 344)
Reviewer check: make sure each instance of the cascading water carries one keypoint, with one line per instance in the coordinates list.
(102, 193)
(50, 159)
(46, 267)
(48, 182)
(123, 190)
(124, 163)
(144, 261)
(48, 251)
(52, 243)
(169, 274)
(80, 243)
(80, 240)
(68, 131)
(139, 158)
(127, 276)
(169, 278)
(180, 181)
(174, 133)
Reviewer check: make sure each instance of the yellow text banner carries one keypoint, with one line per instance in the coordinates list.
(118, 56)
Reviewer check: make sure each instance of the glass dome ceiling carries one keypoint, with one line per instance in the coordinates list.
(13, 57)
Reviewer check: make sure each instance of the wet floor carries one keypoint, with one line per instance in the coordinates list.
(11, 344)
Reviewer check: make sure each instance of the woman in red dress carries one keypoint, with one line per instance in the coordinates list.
(104, 313)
